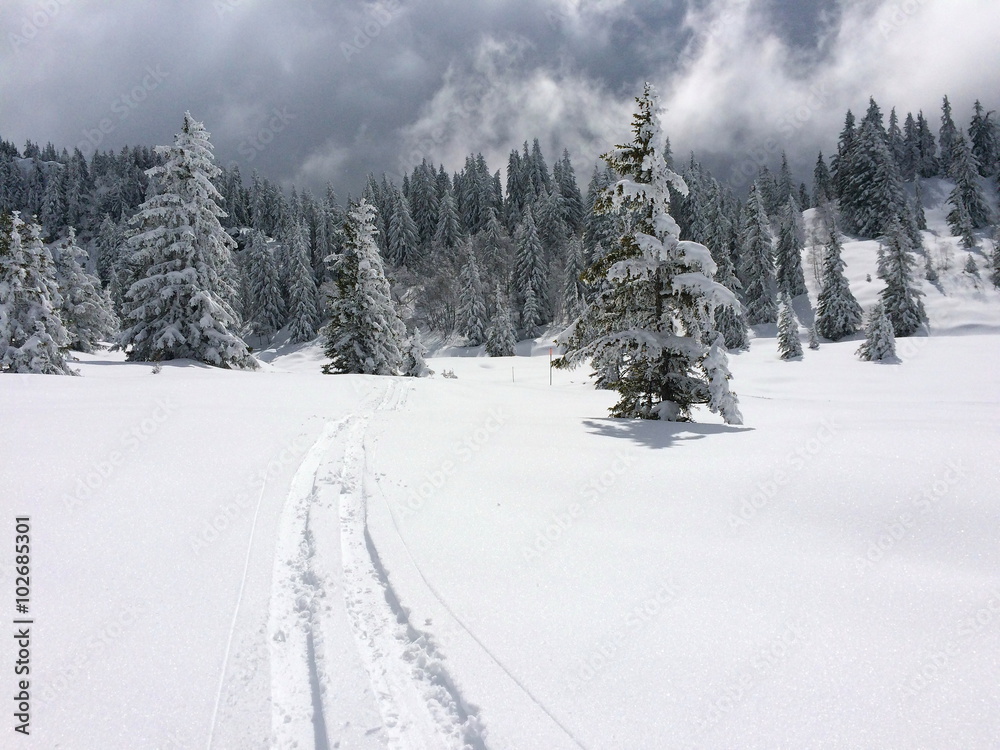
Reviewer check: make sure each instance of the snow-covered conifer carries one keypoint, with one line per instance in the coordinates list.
(403, 234)
(302, 303)
(529, 272)
(472, 319)
(900, 297)
(874, 193)
(573, 300)
(928, 165)
(947, 137)
(758, 262)
(789, 345)
(971, 267)
(838, 312)
(880, 343)
(500, 338)
(365, 334)
(177, 306)
(649, 323)
(840, 164)
(960, 221)
(994, 265)
(32, 336)
(448, 233)
(264, 300)
(813, 338)
(86, 309)
(919, 217)
(967, 195)
(788, 253)
(983, 135)
(414, 362)
(823, 190)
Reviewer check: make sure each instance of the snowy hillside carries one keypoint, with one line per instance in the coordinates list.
(957, 304)
(286, 559)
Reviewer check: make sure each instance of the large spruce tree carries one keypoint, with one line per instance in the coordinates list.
(900, 297)
(365, 333)
(32, 336)
(652, 320)
(838, 313)
(177, 307)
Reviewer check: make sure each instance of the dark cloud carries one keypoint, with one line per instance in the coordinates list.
(310, 91)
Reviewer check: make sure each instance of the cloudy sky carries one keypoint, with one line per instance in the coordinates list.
(310, 91)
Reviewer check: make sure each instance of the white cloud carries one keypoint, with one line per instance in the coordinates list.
(743, 90)
(493, 105)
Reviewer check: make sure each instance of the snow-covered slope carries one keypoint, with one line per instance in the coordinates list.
(246, 560)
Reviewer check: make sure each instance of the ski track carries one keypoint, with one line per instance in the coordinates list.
(347, 667)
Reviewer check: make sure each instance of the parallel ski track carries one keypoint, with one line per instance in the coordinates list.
(416, 698)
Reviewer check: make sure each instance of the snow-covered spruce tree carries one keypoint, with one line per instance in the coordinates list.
(472, 318)
(573, 301)
(529, 273)
(302, 302)
(404, 239)
(500, 338)
(448, 233)
(947, 137)
(32, 336)
(365, 333)
(177, 306)
(264, 308)
(110, 244)
(838, 313)
(414, 363)
(652, 318)
(788, 253)
(995, 260)
(840, 164)
(961, 222)
(900, 297)
(984, 137)
(758, 262)
(813, 338)
(919, 217)
(880, 343)
(789, 345)
(823, 190)
(86, 308)
(972, 268)
(967, 194)
(874, 193)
